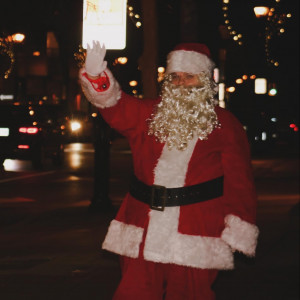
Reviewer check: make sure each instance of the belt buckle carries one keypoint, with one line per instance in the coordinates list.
(163, 197)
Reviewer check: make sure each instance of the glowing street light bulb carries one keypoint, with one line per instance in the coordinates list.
(18, 37)
(261, 11)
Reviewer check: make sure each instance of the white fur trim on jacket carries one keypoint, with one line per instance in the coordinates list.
(123, 239)
(189, 62)
(164, 243)
(104, 99)
(240, 235)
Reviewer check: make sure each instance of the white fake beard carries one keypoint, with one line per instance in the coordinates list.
(183, 113)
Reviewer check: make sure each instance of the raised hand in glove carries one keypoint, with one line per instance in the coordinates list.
(94, 62)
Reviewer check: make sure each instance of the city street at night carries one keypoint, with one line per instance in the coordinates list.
(187, 84)
(51, 242)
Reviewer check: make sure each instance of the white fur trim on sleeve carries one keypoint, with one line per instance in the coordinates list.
(240, 235)
(123, 239)
(103, 99)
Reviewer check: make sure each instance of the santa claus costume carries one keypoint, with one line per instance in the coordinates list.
(172, 249)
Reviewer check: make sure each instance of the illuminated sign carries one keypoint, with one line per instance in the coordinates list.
(261, 86)
(104, 21)
(6, 97)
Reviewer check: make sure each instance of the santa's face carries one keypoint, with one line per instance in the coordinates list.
(185, 79)
(187, 109)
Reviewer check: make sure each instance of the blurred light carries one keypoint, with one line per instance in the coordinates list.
(216, 75)
(260, 86)
(23, 147)
(264, 136)
(6, 97)
(245, 77)
(31, 112)
(274, 120)
(36, 53)
(239, 81)
(29, 130)
(94, 115)
(289, 15)
(138, 24)
(231, 89)
(133, 83)
(261, 11)
(18, 37)
(122, 60)
(296, 129)
(272, 92)
(161, 70)
(292, 125)
(105, 21)
(75, 125)
(4, 131)
(221, 91)
(253, 77)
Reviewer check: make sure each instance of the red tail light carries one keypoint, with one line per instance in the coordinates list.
(29, 130)
(23, 146)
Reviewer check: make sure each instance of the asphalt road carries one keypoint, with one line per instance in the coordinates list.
(50, 241)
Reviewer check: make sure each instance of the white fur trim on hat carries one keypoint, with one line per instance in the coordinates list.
(189, 62)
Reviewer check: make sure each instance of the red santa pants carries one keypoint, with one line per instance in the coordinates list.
(144, 280)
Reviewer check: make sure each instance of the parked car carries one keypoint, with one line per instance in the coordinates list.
(32, 133)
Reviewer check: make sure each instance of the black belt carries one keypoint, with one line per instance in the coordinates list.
(158, 197)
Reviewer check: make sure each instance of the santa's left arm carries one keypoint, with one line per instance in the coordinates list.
(240, 199)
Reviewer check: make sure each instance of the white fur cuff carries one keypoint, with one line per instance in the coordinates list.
(123, 239)
(104, 99)
(240, 235)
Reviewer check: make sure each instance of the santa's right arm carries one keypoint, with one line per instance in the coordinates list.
(98, 84)
(120, 110)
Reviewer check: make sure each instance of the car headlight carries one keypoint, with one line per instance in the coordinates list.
(75, 126)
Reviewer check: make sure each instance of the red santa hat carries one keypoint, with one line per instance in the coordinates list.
(191, 58)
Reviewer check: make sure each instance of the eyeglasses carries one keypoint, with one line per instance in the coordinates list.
(184, 78)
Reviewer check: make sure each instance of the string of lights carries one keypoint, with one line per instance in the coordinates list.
(6, 48)
(237, 37)
(275, 26)
(276, 21)
(135, 18)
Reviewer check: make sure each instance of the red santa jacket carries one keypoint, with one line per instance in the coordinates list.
(201, 235)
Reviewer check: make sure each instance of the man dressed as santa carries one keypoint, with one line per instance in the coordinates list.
(192, 201)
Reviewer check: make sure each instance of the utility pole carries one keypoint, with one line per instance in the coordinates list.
(101, 201)
(149, 59)
(189, 23)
